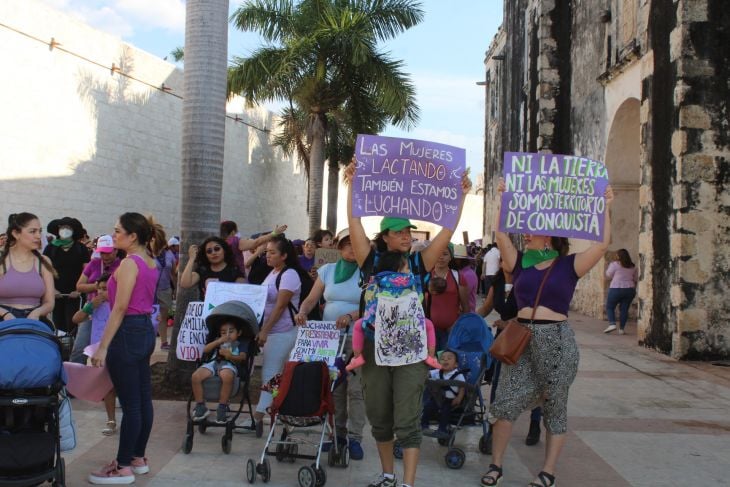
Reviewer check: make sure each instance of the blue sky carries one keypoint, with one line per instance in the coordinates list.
(444, 55)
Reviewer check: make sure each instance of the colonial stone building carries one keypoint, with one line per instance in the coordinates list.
(643, 85)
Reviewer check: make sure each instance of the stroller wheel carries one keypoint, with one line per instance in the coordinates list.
(291, 452)
(485, 444)
(307, 477)
(226, 444)
(398, 451)
(443, 441)
(251, 471)
(60, 479)
(279, 453)
(202, 427)
(455, 458)
(265, 470)
(320, 475)
(187, 445)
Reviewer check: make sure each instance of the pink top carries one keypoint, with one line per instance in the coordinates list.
(622, 277)
(143, 294)
(21, 288)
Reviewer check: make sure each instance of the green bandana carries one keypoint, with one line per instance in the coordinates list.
(344, 270)
(60, 242)
(532, 257)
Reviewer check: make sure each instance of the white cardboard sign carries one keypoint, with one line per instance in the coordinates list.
(316, 341)
(219, 292)
(193, 333)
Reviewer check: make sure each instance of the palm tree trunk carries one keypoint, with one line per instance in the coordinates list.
(316, 172)
(203, 140)
(332, 190)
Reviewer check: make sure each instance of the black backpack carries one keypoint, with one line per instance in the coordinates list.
(307, 284)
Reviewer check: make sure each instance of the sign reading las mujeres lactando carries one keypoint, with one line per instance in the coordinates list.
(408, 178)
(553, 194)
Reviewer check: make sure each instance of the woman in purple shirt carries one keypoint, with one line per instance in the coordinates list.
(545, 371)
(622, 290)
(127, 345)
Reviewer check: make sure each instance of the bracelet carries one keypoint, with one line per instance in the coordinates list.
(88, 308)
(273, 233)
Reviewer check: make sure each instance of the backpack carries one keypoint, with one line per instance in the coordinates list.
(307, 285)
(390, 284)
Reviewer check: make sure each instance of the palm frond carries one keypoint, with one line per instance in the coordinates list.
(270, 18)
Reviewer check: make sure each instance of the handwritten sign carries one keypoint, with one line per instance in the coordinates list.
(552, 194)
(219, 292)
(325, 256)
(408, 178)
(316, 341)
(193, 333)
(400, 330)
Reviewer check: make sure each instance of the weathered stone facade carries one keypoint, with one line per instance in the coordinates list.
(643, 85)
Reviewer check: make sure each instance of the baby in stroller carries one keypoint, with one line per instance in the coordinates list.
(391, 279)
(226, 353)
(450, 398)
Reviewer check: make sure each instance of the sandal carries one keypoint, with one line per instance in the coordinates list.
(111, 428)
(546, 480)
(489, 480)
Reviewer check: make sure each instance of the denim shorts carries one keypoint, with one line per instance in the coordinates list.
(215, 366)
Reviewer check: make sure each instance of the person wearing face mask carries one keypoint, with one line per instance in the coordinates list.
(88, 284)
(68, 256)
(212, 261)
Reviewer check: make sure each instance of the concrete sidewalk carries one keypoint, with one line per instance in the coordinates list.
(636, 418)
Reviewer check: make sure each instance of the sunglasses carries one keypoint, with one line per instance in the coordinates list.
(210, 250)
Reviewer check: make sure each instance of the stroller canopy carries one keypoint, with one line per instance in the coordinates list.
(471, 334)
(237, 312)
(30, 355)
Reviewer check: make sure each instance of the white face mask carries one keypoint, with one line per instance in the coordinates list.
(65, 233)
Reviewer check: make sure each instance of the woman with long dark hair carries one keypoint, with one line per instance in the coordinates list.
(26, 277)
(278, 332)
(212, 261)
(624, 275)
(127, 344)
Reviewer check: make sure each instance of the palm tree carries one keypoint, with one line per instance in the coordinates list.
(315, 49)
(203, 139)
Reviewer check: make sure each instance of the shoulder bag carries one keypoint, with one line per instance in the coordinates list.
(514, 338)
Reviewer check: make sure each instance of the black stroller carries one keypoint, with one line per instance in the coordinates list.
(31, 378)
(243, 315)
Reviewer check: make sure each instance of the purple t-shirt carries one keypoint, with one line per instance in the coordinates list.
(469, 279)
(289, 282)
(306, 263)
(622, 277)
(558, 290)
(96, 268)
(237, 254)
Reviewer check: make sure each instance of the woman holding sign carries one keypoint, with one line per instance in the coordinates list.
(545, 277)
(393, 395)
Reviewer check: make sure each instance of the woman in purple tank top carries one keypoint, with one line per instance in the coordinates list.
(26, 277)
(127, 344)
(545, 371)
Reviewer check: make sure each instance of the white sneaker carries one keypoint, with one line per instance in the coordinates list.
(609, 329)
(621, 332)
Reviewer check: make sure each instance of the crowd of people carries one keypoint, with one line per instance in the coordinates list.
(103, 290)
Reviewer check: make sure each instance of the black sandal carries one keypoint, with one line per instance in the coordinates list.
(489, 480)
(546, 480)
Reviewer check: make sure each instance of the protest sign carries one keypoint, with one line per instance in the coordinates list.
(325, 256)
(219, 292)
(553, 194)
(193, 333)
(400, 330)
(316, 341)
(408, 178)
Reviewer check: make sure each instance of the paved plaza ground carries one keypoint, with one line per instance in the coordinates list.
(637, 418)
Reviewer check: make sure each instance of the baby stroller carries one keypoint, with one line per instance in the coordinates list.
(31, 378)
(244, 315)
(470, 339)
(303, 399)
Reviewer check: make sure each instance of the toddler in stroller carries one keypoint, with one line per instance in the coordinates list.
(450, 398)
(228, 359)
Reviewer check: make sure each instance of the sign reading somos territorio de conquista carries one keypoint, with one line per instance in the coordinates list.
(552, 194)
(407, 178)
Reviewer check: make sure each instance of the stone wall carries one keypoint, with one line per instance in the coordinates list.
(91, 128)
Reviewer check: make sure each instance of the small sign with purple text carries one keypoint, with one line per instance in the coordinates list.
(553, 194)
(407, 178)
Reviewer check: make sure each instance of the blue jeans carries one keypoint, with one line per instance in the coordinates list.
(621, 297)
(432, 409)
(128, 362)
(83, 339)
(442, 339)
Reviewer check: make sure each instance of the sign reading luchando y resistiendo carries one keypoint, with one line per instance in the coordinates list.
(408, 178)
(552, 194)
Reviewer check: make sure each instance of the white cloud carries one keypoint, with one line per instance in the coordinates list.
(122, 17)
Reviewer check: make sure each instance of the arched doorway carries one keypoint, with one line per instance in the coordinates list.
(623, 160)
